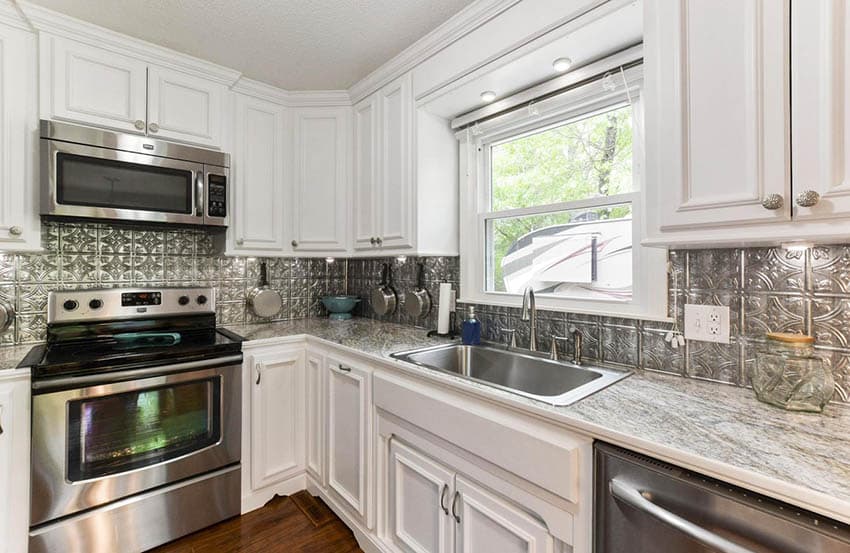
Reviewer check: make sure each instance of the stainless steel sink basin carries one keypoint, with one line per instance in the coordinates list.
(554, 382)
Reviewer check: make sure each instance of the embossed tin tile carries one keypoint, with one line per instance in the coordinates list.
(8, 263)
(774, 270)
(37, 268)
(713, 361)
(620, 345)
(839, 363)
(50, 236)
(232, 268)
(79, 267)
(31, 297)
(831, 321)
(714, 269)
(765, 313)
(116, 268)
(147, 268)
(205, 244)
(147, 242)
(179, 267)
(30, 328)
(230, 313)
(656, 354)
(179, 242)
(74, 238)
(115, 240)
(831, 269)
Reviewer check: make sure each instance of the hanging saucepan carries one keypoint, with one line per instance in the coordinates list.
(384, 298)
(417, 302)
(263, 300)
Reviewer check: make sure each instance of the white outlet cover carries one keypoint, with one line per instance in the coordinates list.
(707, 323)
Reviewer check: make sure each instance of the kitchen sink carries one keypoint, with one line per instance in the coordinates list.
(525, 373)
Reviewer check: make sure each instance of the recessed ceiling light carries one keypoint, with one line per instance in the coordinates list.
(488, 96)
(562, 64)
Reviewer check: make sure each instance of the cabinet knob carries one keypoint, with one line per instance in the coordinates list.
(153, 127)
(16, 230)
(294, 243)
(379, 240)
(773, 202)
(240, 241)
(807, 198)
(259, 374)
(373, 240)
(139, 124)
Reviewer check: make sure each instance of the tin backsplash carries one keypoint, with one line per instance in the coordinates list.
(767, 289)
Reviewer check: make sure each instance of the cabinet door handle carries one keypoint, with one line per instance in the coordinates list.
(240, 241)
(294, 243)
(1, 420)
(344, 369)
(443, 505)
(139, 124)
(773, 202)
(16, 230)
(808, 198)
(259, 368)
(373, 240)
(454, 507)
(153, 127)
(379, 240)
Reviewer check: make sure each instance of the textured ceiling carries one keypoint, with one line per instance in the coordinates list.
(292, 44)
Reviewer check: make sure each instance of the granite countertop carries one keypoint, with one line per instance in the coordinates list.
(720, 430)
(11, 356)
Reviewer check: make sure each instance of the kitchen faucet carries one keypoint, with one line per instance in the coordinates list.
(529, 313)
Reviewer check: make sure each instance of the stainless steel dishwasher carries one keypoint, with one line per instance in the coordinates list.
(646, 506)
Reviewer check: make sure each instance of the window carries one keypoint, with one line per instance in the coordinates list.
(554, 204)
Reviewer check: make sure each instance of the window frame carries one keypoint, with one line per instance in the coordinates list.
(649, 265)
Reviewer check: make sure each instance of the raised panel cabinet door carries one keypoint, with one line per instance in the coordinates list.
(396, 164)
(420, 493)
(259, 186)
(820, 108)
(185, 108)
(320, 202)
(277, 417)
(365, 206)
(486, 522)
(718, 118)
(94, 86)
(349, 428)
(315, 416)
(20, 228)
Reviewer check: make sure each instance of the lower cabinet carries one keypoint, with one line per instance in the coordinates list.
(432, 508)
(14, 462)
(349, 392)
(315, 376)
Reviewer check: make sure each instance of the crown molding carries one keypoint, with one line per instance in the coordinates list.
(11, 15)
(55, 23)
(292, 98)
(460, 24)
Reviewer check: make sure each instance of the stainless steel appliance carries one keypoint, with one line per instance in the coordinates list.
(98, 174)
(645, 506)
(136, 420)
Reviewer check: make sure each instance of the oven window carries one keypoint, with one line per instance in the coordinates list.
(88, 181)
(127, 431)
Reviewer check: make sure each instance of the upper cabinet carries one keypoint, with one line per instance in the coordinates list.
(745, 122)
(19, 223)
(319, 211)
(384, 209)
(95, 86)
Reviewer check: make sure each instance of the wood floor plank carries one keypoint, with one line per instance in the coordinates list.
(278, 527)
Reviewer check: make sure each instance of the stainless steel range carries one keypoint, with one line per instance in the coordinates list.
(136, 420)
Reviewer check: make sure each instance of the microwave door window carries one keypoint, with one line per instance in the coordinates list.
(87, 181)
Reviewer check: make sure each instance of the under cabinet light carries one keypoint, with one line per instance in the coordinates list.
(329, 260)
(560, 65)
(797, 246)
(488, 96)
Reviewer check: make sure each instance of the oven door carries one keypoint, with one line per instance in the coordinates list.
(100, 183)
(100, 443)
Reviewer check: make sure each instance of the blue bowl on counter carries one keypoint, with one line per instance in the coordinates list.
(340, 307)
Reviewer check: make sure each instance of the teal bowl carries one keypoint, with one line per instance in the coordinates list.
(340, 306)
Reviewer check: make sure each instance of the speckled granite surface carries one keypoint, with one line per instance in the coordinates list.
(675, 416)
(11, 356)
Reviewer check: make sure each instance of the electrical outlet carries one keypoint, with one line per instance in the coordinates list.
(707, 323)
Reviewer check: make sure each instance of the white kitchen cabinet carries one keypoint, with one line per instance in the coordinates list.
(717, 112)
(320, 189)
(384, 169)
(259, 179)
(14, 461)
(420, 492)
(86, 84)
(487, 522)
(349, 430)
(277, 416)
(185, 108)
(315, 375)
(20, 228)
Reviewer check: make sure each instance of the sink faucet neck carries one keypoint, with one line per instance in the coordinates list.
(529, 313)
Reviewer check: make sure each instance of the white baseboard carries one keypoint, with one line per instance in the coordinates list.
(258, 498)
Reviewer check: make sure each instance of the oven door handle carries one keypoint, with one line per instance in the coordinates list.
(634, 497)
(200, 178)
(135, 374)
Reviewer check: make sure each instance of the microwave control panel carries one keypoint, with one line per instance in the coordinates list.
(216, 195)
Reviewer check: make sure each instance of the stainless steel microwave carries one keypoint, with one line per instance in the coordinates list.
(97, 174)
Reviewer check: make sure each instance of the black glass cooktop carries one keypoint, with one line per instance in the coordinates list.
(82, 349)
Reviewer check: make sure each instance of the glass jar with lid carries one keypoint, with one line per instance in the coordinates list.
(788, 374)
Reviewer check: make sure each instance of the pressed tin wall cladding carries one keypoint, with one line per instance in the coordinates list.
(767, 289)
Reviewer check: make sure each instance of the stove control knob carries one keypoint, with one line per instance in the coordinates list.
(183, 300)
(70, 305)
(202, 300)
(96, 304)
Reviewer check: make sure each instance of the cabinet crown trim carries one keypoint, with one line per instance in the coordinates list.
(51, 22)
(292, 98)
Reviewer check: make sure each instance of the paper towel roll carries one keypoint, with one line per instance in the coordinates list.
(444, 308)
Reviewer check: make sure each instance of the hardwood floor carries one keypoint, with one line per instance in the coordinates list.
(278, 527)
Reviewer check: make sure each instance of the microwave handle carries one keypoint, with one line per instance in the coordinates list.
(199, 193)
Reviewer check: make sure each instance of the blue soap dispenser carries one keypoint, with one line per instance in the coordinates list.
(471, 331)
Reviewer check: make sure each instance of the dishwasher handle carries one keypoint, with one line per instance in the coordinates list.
(632, 496)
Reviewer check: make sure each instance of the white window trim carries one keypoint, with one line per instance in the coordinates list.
(649, 265)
